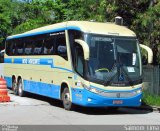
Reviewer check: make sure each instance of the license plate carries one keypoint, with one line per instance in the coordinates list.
(117, 102)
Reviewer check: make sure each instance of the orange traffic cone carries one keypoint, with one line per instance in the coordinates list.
(3, 91)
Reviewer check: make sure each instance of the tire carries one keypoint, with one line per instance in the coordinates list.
(14, 87)
(67, 104)
(21, 92)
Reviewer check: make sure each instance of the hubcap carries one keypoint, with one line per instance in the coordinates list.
(66, 99)
(14, 86)
(20, 88)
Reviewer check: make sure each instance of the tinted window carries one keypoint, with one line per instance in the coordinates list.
(73, 34)
(1, 57)
(61, 48)
(20, 47)
(28, 48)
(38, 44)
(49, 45)
(10, 47)
(46, 44)
(79, 60)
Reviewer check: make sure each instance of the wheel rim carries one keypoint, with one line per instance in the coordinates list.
(14, 86)
(20, 88)
(66, 99)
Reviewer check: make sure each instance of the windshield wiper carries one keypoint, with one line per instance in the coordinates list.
(119, 73)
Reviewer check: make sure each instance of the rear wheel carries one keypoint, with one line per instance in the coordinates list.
(66, 98)
(20, 88)
(14, 87)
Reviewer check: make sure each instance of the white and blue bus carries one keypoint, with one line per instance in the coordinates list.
(83, 63)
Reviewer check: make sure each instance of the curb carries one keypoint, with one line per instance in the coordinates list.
(156, 109)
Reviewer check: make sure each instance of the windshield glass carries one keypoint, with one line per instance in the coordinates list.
(113, 59)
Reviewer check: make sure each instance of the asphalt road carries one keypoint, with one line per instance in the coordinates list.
(38, 110)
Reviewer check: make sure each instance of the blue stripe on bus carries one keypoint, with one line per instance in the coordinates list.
(45, 89)
(44, 32)
(34, 61)
(60, 68)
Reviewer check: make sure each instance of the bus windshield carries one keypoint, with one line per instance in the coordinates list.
(114, 60)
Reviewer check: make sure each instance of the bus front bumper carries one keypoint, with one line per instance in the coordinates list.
(86, 98)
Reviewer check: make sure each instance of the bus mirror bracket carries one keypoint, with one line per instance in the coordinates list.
(149, 51)
(85, 48)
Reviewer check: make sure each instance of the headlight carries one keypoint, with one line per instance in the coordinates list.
(138, 91)
(92, 89)
(86, 87)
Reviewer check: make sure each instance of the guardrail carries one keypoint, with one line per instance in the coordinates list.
(151, 79)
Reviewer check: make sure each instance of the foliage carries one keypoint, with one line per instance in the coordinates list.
(142, 16)
(151, 99)
(147, 26)
(5, 20)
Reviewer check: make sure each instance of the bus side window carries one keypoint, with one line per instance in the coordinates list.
(13, 49)
(10, 47)
(73, 34)
(61, 47)
(49, 46)
(79, 60)
(1, 57)
(38, 47)
(28, 48)
(20, 47)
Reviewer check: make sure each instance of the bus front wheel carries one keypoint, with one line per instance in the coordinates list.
(68, 105)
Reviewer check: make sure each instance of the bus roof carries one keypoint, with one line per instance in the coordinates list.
(84, 26)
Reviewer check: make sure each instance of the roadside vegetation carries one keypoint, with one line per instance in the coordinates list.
(149, 99)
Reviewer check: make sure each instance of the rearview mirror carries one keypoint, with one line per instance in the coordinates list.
(149, 51)
(85, 48)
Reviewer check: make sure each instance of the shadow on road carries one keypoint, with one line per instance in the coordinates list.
(95, 111)
(111, 111)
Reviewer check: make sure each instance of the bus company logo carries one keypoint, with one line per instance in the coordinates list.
(24, 61)
(31, 61)
(118, 95)
(34, 61)
(59, 33)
